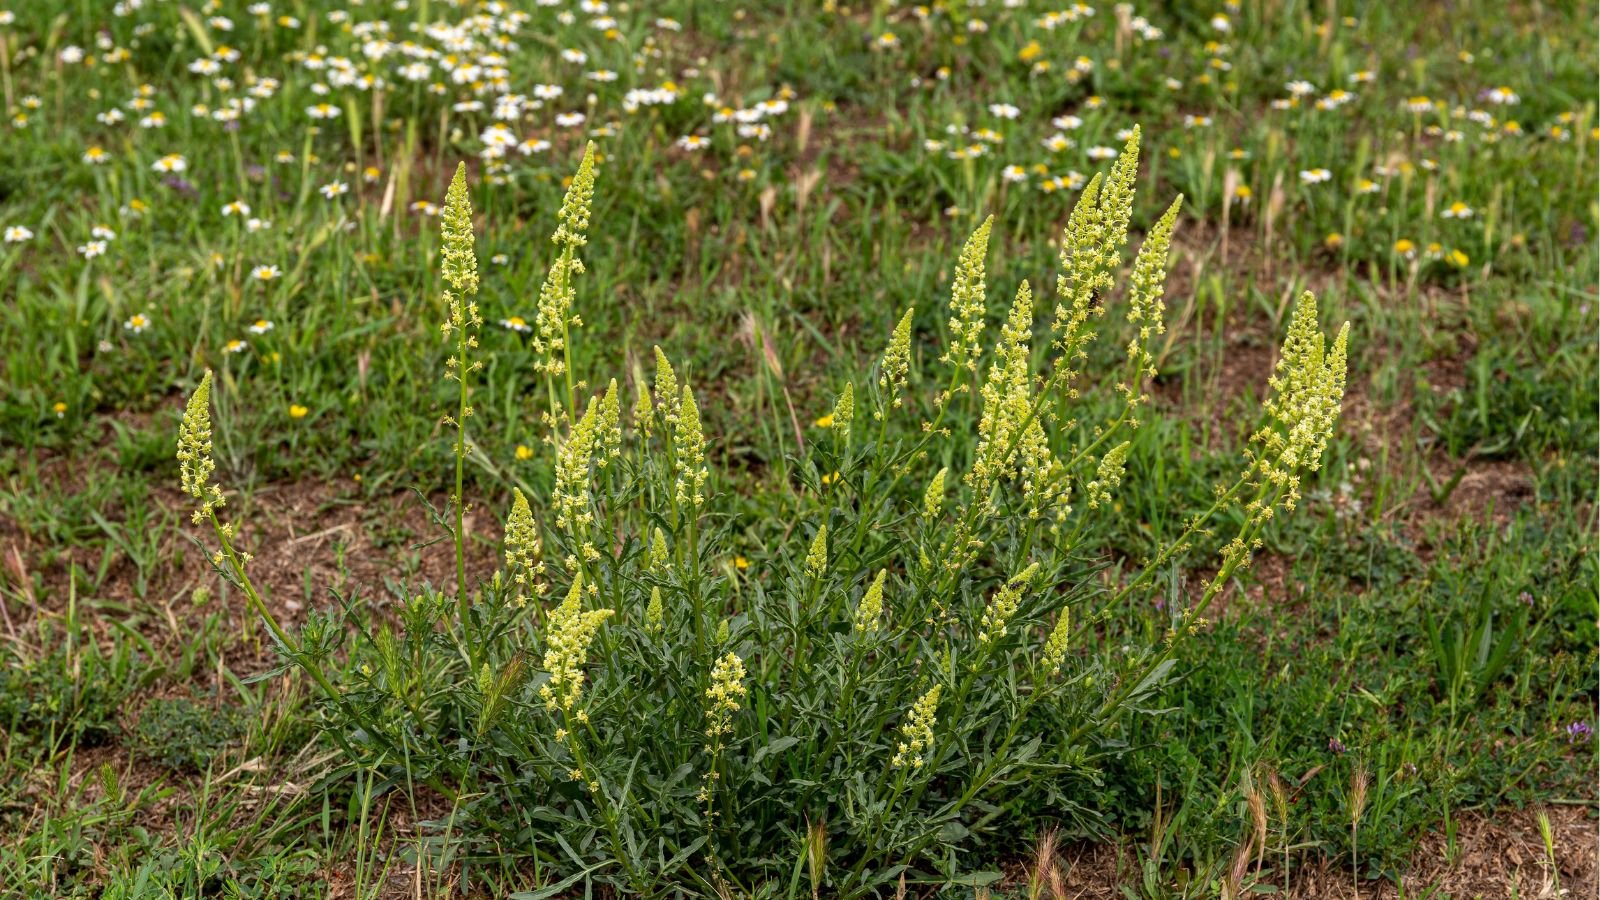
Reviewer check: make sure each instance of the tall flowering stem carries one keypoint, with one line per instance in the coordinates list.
(195, 467)
(460, 269)
(570, 631)
(968, 304)
(723, 698)
(555, 319)
(915, 741)
(1307, 386)
(689, 446)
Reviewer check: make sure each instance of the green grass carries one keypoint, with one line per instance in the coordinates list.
(1426, 617)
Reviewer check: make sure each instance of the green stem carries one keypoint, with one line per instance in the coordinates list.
(462, 370)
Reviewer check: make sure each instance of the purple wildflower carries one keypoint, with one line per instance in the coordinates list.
(181, 185)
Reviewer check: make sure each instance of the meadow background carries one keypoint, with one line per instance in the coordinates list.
(254, 189)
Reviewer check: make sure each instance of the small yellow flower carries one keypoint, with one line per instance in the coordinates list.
(824, 422)
(296, 411)
(60, 409)
(741, 563)
(524, 452)
(1333, 241)
(1457, 258)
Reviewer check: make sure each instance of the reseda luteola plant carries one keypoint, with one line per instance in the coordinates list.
(921, 653)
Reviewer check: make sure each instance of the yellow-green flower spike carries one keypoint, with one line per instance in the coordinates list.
(916, 735)
(1003, 606)
(869, 615)
(195, 464)
(570, 498)
(817, 556)
(691, 446)
(723, 696)
(933, 497)
(459, 266)
(968, 300)
(1091, 250)
(1081, 276)
(1146, 309)
(460, 261)
(573, 219)
(1108, 476)
(523, 564)
(555, 318)
(667, 402)
(610, 426)
(1147, 285)
(897, 361)
(1307, 396)
(643, 412)
(654, 613)
(1012, 444)
(1055, 646)
(660, 559)
(567, 639)
(844, 412)
(1116, 202)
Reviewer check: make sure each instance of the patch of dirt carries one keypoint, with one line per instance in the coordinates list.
(1497, 856)
(309, 539)
(1488, 487)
